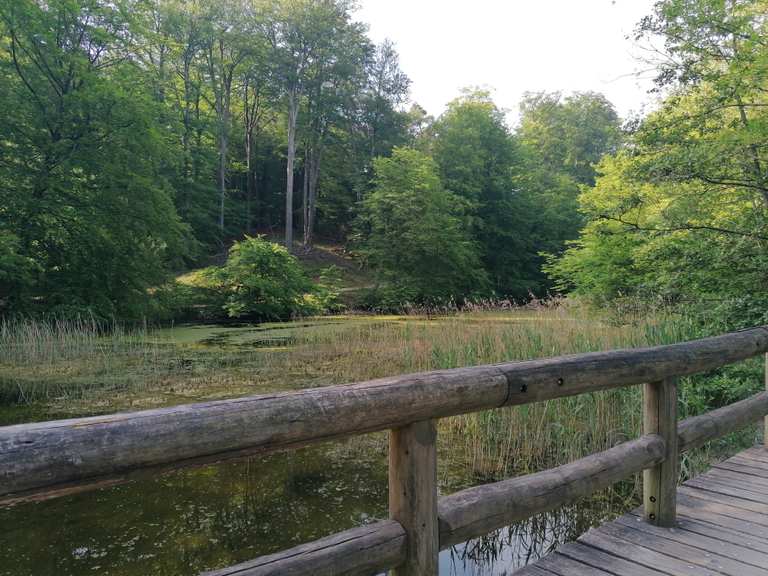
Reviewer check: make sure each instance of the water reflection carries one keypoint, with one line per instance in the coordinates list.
(200, 519)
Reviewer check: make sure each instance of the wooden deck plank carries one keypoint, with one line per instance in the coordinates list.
(716, 529)
(742, 467)
(738, 539)
(740, 478)
(723, 509)
(711, 493)
(722, 530)
(604, 561)
(755, 462)
(534, 570)
(757, 454)
(755, 451)
(601, 539)
(712, 543)
(679, 551)
(754, 492)
(676, 549)
(564, 566)
(710, 486)
(715, 519)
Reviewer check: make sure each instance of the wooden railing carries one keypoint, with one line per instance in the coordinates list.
(48, 459)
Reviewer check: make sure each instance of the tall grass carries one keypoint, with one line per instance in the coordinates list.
(84, 367)
(78, 365)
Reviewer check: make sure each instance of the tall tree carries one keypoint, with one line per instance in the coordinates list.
(714, 123)
(479, 162)
(82, 192)
(571, 134)
(681, 214)
(336, 76)
(258, 97)
(414, 233)
(226, 48)
(386, 90)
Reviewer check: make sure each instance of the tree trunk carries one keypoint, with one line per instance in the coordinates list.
(314, 177)
(293, 112)
(757, 169)
(305, 195)
(222, 170)
(248, 180)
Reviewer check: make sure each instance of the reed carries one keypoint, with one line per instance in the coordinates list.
(83, 367)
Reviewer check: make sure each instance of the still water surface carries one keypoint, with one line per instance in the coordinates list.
(199, 519)
(194, 520)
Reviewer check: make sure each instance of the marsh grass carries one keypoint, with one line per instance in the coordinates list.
(81, 368)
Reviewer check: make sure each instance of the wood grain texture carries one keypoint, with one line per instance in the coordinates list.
(702, 543)
(611, 563)
(366, 550)
(739, 466)
(698, 430)
(45, 456)
(710, 485)
(479, 510)
(683, 551)
(716, 534)
(757, 453)
(660, 481)
(564, 566)
(413, 495)
(640, 555)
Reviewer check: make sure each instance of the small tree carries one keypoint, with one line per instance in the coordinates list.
(414, 234)
(261, 280)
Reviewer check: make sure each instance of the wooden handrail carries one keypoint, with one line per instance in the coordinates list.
(477, 511)
(368, 549)
(52, 458)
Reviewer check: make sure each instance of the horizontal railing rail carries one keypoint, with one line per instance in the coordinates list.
(53, 458)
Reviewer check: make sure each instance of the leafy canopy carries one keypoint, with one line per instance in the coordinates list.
(414, 231)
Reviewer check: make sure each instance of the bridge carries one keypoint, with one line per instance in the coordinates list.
(721, 529)
(714, 524)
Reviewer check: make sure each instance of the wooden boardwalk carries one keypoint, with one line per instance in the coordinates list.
(722, 529)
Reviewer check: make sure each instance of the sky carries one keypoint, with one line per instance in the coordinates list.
(514, 46)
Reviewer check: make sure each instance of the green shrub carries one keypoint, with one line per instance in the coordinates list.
(182, 300)
(328, 289)
(263, 281)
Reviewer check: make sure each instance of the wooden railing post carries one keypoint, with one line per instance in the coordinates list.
(660, 482)
(765, 420)
(413, 495)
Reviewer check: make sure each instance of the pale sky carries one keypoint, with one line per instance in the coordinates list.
(514, 46)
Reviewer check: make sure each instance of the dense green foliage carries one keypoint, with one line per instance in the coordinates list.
(259, 281)
(148, 136)
(503, 204)
(479, 161)
(87, 218)
(680, 214)
(415, 233)
(263, 281)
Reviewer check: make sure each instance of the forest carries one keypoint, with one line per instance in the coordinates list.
(163, 157)
(242, 201)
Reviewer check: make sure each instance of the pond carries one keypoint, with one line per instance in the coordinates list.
(199, 519)
(190, 521)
